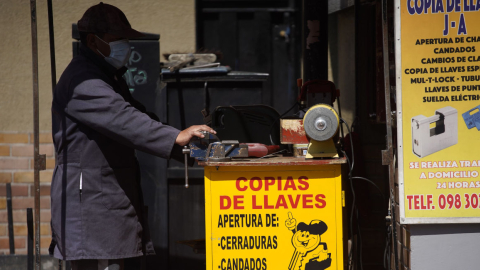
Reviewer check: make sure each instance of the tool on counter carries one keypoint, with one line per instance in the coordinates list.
(211, 148)
(200, 58)
(312, 129)
(197, 148)
(427, 140)
(181, 64)
(312, 136)
(191, 60)
(472, 118)
(321, 124)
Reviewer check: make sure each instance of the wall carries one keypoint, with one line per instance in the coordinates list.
(16, 167)
(353, 54)
(341, 64)
(174, 20)
(444, 246)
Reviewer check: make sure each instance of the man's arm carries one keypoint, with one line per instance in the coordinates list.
(95, 104)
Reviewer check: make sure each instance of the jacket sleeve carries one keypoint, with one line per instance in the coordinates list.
(95, 104)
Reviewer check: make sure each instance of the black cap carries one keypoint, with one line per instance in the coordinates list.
(105, 18)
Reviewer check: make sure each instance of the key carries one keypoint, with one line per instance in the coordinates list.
(472, 120)
(296, 261)
(297, 258)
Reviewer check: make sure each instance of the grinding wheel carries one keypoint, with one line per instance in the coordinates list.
(321, 122)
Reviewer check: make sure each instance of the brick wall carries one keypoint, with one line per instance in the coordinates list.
(16, 167)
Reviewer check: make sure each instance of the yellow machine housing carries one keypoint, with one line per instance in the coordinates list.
(276, 214)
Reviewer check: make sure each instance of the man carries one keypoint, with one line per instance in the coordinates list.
(97, 204)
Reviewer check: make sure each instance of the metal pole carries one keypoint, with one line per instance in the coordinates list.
(39, 161)
(52, 64)
(357, 245)
(52, 44)
(387, 155)
(11, 236)
(30, 239)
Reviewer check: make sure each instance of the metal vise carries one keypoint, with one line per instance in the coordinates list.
(218, 151)
(210, 148)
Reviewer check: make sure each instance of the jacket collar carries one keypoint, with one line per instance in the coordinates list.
(101, 63)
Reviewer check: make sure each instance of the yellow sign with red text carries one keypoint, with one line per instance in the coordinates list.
(260, 218)
(440, 101)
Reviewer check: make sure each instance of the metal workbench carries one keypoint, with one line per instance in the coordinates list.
(275, 161)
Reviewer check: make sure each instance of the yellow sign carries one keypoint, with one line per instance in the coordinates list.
(438, 80)
(260, 218)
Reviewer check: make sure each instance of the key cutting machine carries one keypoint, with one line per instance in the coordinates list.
(315, 134)
(266, 207)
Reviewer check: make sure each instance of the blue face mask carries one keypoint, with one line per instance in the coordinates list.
(119, 52)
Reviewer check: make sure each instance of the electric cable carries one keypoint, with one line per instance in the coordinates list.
(353, 246)
(340, 113)
(394, 232)
(356, 245)
(373, 183)
(386, 254)
(351, 144)
(350, 166)
(360, 243)
(354, 210)
(393, 221)
(352, 126)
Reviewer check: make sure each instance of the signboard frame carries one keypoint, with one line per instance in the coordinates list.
(400, 132)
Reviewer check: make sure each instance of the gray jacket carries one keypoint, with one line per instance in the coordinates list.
(97, 204)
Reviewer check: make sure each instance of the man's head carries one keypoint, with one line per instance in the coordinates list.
(102, 24)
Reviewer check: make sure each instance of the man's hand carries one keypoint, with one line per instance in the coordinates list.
(187, 134)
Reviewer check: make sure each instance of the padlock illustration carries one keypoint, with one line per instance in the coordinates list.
(434, 133)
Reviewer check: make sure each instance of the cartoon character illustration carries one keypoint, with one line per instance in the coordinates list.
(310, 252)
